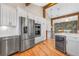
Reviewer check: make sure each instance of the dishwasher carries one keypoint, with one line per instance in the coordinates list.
(60, 43)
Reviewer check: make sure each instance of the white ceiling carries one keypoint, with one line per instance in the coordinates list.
(40, 4)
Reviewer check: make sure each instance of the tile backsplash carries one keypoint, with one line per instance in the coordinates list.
(66, 27)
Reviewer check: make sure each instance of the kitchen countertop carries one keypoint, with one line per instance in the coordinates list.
(8, 36)
(68, 34)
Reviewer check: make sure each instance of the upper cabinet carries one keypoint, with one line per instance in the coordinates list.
(8, 15)
(22, 12)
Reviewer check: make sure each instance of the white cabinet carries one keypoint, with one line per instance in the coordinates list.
(4, 15)
(13, 17)
(22, 13)
(72, 46)
(8, 15)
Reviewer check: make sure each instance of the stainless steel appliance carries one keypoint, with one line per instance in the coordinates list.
(24, 42)
(60, 43)
(31, 32)
(37, 29)
(27, 34)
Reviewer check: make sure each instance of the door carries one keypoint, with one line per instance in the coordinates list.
(31, 32)
(24, 43)
(22, 38)
(22, 24)
(31, 28)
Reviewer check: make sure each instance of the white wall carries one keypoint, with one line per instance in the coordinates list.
(48, 25)
(35, 10)
(48, 28)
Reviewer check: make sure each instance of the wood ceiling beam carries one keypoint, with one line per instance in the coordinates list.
(47, 6)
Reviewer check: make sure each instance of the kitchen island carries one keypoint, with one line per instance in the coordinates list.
(72, 43)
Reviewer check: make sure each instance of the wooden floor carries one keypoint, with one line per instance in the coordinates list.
(46, 48)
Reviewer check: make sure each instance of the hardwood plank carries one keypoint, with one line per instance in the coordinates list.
(46, 48)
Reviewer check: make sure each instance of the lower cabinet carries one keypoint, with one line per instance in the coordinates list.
(72, 46)
(3, 46)
(17, 44)
(9, 45)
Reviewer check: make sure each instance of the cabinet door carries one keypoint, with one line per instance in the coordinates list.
(4, 15)
(72, 46)
(0, 47)
(10, 46)
(17, 44)
(8, 15)
(13, 17)
(3, 47)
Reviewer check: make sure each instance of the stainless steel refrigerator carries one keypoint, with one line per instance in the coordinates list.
(31, 32)
(27, 34)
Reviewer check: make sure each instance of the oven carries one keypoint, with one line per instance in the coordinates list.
(37, 29)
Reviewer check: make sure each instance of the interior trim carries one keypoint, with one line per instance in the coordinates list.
(68, 15)
(47, 6)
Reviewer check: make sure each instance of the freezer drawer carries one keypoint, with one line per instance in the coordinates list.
(32, 42)
(25, 44)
